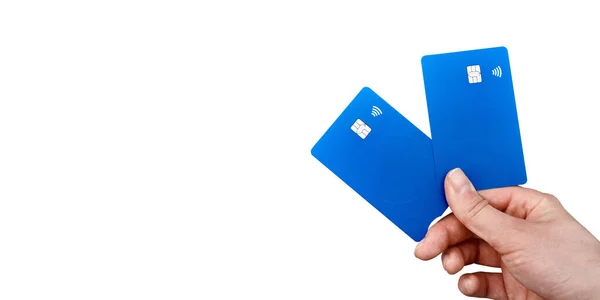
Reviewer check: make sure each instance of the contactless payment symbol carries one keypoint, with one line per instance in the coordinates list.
(474, 73)
(497, 71)
(361, 129)
(376, 111)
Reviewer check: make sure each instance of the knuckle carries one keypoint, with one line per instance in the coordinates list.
(476, 206)
(549, 197)
(546, 198)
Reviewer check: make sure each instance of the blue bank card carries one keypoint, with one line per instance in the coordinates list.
(473, 117)
(386, 160)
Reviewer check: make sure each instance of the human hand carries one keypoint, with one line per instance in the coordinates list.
(541, 250)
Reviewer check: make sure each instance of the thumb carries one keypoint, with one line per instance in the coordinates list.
(490, 224)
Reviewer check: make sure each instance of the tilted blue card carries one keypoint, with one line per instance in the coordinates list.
(386, 160)
(473, 117)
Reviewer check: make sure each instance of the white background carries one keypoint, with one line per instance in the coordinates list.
(161, 149)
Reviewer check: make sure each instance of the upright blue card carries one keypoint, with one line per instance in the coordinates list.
(386, 160)
(473, 117)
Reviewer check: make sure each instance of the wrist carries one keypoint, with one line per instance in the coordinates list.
(593, 282)
(580, 285)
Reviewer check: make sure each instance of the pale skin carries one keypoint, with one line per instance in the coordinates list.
(540, 250)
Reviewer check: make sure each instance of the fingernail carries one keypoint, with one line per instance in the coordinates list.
(419, 245)
(444, 260)
(467, 285)
(459, 181)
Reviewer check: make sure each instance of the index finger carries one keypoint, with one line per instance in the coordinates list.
(445, 233)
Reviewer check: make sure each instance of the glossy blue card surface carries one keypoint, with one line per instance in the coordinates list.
(386, 160)
(473, 117)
